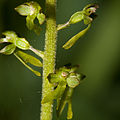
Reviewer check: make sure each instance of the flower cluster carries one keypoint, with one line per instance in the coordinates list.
(64, 80)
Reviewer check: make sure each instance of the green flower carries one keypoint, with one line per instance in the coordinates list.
(32, 10)
(64, 80)
(89, 13)
(21, 43)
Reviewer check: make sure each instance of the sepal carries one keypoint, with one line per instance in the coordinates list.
(41, 18)
(30, 21)
(5, 40)
(8, 50)
(76, 17)
(10, 35)
(23, 10)
(28, 8)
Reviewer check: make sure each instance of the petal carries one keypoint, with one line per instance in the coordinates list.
(41, 18)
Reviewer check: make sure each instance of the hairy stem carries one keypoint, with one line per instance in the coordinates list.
(49, 56)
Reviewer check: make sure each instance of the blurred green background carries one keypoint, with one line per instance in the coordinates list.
(98, 53)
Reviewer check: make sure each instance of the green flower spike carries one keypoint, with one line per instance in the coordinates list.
(32, 10)
(64, 80)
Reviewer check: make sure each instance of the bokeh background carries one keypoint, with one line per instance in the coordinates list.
(97, 53)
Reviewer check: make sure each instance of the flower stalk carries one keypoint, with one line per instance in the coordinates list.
(49, 56)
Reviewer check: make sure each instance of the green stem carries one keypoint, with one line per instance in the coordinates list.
(37, 52)
(49, 56)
